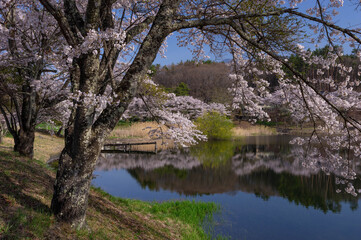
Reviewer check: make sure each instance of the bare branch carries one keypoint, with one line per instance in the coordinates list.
(74, 18)
(328, 24)
(62, 21)
(223, 21)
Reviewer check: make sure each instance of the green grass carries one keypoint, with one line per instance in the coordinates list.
(4, 230)
(100, 234)
(48, 127)
(190, 212)
(193, 214)
(26, 219)
(8, 134)
(124, 123)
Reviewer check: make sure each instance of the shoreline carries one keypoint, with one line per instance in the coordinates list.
(161, 219)
(26, 187)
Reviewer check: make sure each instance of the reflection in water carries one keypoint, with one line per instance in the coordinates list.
(267, 168)
(214, 154)
(260, 167)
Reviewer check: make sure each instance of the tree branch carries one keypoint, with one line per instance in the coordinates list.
(295, 73)
(110, 58)
(74, 18)
(92, 14)
(328, 24)
(222, 21)
(62, 21)
(127, 88)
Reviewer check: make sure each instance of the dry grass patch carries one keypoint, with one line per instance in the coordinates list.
(247, 129)
(138, 132)
(7, 142)
(45, 145)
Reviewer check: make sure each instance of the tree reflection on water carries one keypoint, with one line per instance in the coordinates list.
(267, 167)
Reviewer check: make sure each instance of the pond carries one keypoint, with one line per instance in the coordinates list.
(261, 186)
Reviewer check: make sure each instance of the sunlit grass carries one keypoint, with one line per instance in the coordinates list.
(134, 130)
(138, 132)
(253, 130)
(45, 145)
(190, 213)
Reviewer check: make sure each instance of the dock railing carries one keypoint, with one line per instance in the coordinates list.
(128, 147)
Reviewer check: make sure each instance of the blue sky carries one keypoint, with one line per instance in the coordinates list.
(349, 17)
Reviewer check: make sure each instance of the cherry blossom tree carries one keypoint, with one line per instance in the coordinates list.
(142, 107)
(110, 45)
(175, 113)
(31, 81)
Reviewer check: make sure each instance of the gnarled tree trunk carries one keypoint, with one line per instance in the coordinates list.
(76, 166)
(81, 151)
(25, 145)
(85, 135)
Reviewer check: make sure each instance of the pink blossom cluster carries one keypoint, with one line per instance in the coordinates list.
(174, 112)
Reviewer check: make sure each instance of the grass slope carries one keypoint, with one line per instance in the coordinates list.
(26, 188)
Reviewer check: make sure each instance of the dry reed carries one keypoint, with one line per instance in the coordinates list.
(253, 131)
(138, 132)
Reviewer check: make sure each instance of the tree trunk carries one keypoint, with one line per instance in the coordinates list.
(16, 143)
(24, 141)
(84, 135)
(78, 158)
(76, 165)
(1, 133)
(25, 145)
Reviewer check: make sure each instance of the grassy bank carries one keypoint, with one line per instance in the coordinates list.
(26, 188)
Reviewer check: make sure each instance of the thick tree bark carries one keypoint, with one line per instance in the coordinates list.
(84, 136)
(82, 148)
(23, 130)
(25, 144)
(1, 132)
(76, 166)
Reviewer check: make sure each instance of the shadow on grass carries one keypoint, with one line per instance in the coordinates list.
(22, 214)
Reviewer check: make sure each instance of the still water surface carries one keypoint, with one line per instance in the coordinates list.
(263, 190)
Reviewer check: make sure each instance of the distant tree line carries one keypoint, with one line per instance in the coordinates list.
(207, 81)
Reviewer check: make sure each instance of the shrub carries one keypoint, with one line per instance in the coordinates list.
(182, 89)
(215, 125)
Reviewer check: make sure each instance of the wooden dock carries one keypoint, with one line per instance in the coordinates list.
(127, 147)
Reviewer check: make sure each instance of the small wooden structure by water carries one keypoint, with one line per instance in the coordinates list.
(129, 147)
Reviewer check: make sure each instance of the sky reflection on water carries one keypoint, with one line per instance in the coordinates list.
(264, 192)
